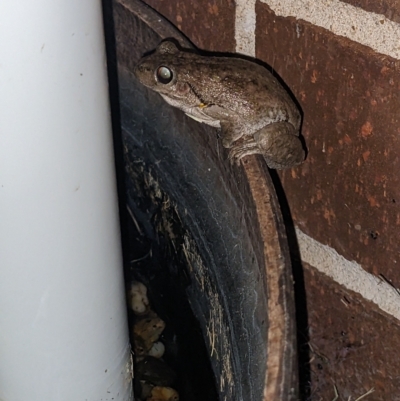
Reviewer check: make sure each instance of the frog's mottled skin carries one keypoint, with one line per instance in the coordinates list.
(242, 98)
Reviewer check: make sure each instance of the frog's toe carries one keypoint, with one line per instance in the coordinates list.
(233, 156)
(236, 154)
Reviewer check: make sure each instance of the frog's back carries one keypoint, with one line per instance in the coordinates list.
(249, 88)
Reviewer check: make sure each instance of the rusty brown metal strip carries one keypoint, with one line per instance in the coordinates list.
(281, 381)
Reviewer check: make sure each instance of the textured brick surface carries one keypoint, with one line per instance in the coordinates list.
(352, 344)
(347, 194)
(389, 8)
(208, 24)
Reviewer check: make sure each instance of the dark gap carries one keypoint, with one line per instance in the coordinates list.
(155, 263)
(299, 292)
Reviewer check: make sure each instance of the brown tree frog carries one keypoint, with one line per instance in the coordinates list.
(255, 113)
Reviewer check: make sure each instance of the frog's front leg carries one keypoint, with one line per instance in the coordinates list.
(278, 143)
(230, 133)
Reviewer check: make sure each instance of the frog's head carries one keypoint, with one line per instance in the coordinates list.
(168, 72)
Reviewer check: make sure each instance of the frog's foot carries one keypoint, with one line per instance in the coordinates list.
(244, 148)
(280, 145)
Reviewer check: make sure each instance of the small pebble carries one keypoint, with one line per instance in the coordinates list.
(157, 350)
(163, 394)
(138, 300)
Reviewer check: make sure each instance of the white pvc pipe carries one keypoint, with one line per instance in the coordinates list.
(63, 326)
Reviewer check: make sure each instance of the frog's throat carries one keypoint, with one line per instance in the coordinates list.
(214, 123)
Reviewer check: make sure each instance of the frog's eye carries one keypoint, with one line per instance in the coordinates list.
(164, 75)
